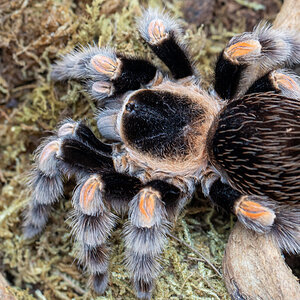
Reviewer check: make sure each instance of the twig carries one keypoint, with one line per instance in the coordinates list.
(24, 87)
(72, 284)
(198, 253)
(252, 5)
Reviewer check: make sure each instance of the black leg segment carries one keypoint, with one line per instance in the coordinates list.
(227, 77)
(161, 33)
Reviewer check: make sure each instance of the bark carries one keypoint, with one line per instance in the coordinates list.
(254, 268)
(4, 293)
(289, 15)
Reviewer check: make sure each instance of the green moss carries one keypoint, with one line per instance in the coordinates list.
(32, 35)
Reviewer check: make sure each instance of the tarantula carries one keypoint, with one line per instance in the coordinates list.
(241, 142)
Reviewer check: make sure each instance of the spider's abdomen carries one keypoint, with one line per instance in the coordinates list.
(257, 143)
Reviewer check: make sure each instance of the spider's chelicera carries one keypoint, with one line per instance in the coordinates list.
(241, 143)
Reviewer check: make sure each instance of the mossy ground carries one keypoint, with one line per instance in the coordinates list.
(33, 34)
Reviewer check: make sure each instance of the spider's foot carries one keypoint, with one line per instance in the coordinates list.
(47, 187)
(162, 34)
(254, 213)
(156, 27)
(143, 288)
(99, 282)
(92, 224)
(35, 220)
(31, 230)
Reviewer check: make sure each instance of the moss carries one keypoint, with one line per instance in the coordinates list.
(32, 35)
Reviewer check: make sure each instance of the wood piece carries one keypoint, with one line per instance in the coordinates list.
(254, 268)
(289, 15)
(4, 293)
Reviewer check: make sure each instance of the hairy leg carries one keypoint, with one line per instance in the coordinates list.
(251, 55)
(280, 81)
(150, 212)
(259, 213)
(93, 221)
(162, 34)
(108, 74)
(62, 155)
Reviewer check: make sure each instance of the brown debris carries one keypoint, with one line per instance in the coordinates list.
(27, 30)
(236, 12)
(198, 12)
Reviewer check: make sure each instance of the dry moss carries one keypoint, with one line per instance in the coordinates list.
(32, 35)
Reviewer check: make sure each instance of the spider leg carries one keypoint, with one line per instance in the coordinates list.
(84, 134)
(107, 74)
(253, 211)
(251, 55)
(93, 220)
(162, 34)
(63, 154)
(258, 213)
(150, 212)
(46, 190)
(280, 81)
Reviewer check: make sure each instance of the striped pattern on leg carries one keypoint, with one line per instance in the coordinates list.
(145, 237)
(47, 187)
(91, 226)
